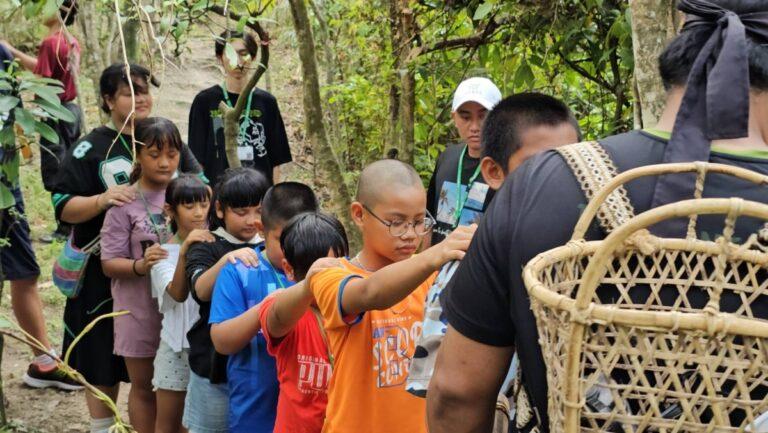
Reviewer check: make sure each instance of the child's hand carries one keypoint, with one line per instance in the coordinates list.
(454, 247)
(153, 255)
(246, 255)
(196, 235)
(322, 264)
(117, 195)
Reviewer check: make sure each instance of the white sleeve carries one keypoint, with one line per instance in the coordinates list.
(161, 276)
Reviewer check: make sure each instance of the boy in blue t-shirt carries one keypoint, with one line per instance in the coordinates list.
(235, 325)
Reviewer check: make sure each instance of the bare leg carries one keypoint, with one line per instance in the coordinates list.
(170, 408)
(142, 407)
(96, 408)
(29, 309)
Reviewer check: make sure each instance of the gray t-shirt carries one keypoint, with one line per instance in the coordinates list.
(535, 211)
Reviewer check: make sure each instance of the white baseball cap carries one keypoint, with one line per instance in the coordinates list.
(476, 89)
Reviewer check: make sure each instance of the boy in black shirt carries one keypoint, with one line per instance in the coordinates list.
(457, 194)
(487, 304)
(262, 141)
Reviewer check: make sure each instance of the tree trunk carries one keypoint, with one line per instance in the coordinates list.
(327, 169)
(653, 26)
(402, 97)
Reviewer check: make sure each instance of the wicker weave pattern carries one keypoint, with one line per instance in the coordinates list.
(640, 317)
(594, 169)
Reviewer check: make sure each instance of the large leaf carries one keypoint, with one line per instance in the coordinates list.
(6, 197)
(230, 55)
(25, 120)
(56, 110)
(10, 168)
(482, 11)
(46, 132)
(8, 103)
(7, 137)
(49, 93)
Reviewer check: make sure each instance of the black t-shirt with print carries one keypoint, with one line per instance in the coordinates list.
(203, 358)
(442, 192)
(265, 144)
(535, 211)
(96, 162)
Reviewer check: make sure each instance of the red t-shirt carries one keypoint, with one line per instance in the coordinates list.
(59, 58)
(303, 371)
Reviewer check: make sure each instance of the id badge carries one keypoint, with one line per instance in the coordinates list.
(245, 153)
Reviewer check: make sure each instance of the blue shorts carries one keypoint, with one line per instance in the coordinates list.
(206, 406)
(17, 258)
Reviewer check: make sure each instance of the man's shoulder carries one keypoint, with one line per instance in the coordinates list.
(209, 95)
(263, 95)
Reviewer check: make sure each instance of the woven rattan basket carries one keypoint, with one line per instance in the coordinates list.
(652, 343)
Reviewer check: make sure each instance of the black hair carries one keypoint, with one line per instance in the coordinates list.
(504, 125)
(308, 237)
(238, 187)
(676, 61)
(185, 189)
(115, 75)
(228, 35)
(284, 201)
(154, 132)
(68, 12)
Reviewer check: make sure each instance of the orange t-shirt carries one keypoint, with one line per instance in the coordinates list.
(372, 353)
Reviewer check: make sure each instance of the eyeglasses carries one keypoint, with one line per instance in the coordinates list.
(399, 228)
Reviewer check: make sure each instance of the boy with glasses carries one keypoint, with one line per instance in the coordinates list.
(372, 307)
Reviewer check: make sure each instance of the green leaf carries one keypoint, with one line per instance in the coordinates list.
(25, 119)
(524, 75)
(6, 201)
(148, 8)
(8, 103)
(11, 169)
(48, 93)
(482, 11)
(8, 136)
(46, 132)
(230, 55)
(56, 110)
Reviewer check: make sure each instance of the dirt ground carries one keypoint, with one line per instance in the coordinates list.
(32, 410)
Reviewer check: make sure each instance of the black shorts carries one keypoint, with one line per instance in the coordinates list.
(17, 258)
(93, 356)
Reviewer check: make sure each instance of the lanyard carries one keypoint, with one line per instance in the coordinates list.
(461, 201)
(125, 145)
(157, 230)
(247, 107)
(272, 268)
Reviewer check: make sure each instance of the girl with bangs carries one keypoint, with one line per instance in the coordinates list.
(130, 247)
(187, 202)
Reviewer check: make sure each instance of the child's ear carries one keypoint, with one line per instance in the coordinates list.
(288, 269)
(168, 209)
(356, 211)
(492, 172)
(219, 211)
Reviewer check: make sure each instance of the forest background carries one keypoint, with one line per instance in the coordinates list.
(356, 80)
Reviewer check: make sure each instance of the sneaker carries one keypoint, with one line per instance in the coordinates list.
(57, 378)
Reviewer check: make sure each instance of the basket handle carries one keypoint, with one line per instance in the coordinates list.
(701, 169)
(598, 267)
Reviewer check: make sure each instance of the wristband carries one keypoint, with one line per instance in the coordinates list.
(135, 271)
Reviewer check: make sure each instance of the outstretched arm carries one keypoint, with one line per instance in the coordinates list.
(466, 382)
(291, 304)
(27, 62)
(391, 284)
(231, 336)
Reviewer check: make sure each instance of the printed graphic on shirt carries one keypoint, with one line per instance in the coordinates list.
(391, 343)
(314, 374)
(470, 212)
(115, 171)
(251, 138)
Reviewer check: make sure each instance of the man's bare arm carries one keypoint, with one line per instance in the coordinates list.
(464, 387)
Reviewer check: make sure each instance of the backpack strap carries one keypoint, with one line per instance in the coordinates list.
(593, 168)
(319, 320)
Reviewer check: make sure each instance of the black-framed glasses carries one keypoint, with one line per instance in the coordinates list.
(399, 228)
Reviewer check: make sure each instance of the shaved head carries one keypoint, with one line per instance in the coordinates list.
(382, 176)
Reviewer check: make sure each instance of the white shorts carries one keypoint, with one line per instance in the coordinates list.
(171, 369)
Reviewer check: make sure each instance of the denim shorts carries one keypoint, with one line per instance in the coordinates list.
(171, 369)
(206, 406)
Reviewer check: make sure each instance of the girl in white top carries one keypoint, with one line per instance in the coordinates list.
(187, 201)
